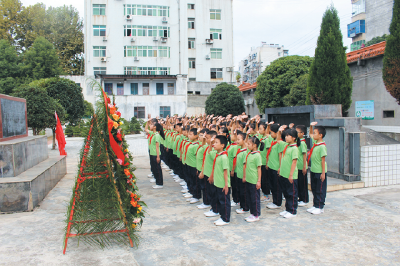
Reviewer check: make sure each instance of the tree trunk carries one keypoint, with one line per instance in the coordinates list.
(34, 131)
(54, 138)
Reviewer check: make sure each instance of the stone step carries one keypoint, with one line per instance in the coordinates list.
(25, 191)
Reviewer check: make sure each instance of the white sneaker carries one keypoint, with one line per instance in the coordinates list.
(171, 172)
(249, 217)
(311, 209)
(185, 187)
(233, 204)
(263, 198)
(203, 206)
(194, 200)
(317, 211)
(184, 191)
(166, 168)
(188, 199)
(221, 223)
(283, 213)
(220, 219)
(178, 180)
(301, 204)
(188, 195)
(273, 206)
(183, 183)
(150, 175)
(153, 180)
(289, 215)
(211, 214)
(253, 219)
(241, 211)
(157, 186)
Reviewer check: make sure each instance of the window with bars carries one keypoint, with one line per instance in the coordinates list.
(146, 10)
(190, 23)
(99, 71)
(99, 10)
(99, 30)
(192, 62)
(134, 88)
(139, 112)
(147, 51)
(133, 70)
(216, 34)
(215, 14)
(165, 111)
(216, 73)
(99, 51)
(159, 88)
(216, 53)
(108, 88)
(191, 43)
(120, 89)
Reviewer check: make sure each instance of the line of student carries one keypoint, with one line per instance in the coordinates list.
(212, 159)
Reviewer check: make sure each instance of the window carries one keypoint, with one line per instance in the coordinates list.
(216, 73)
(357, 45)
(197, 92)
(190, 23)
(358, 7)
(108, 88)
(190, 92)
(99, 71)
(163, 51)
(134, 88)
(139, 112)
(146, 88)
(216, 53)
(388, 114)
(216, 34)
(215, 14)
(192, 62)
(147, 51)
(99, 10)
(165, 111)
(192, 79)
(99, 51)
(191, 43)
(146, 10)
(99, 30)
(146, 70)
(159, 88)
(120, 89)
(279, 54)
(171, 88)
(190, 6)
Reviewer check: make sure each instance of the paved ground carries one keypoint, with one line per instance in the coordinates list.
(359, 226)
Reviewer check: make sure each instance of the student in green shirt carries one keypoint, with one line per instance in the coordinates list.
(190, 160)
(302, 167)
(199, 164)
(263, 131)
(220, 179)
(232, 150)
(289, 173)
(318, 169)
(155, 160)
(252, 177)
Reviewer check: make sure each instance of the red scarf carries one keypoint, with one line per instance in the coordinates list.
(270, 148)
(233, 144)
(312, 149)
(187, 147)
(198, 148)
(215, 160)
(245, 165)
(304, 140)
(151, 139)
(204, 157)
(235, 159)
(284, 151)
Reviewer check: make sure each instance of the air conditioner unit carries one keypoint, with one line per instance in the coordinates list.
(104, 39)
(136, 58)
(155, 39)
(164, 20)
(209, 41)
(207, 57)
(229, 69)
(132, 40)
(128, 17)
(103, 59)
(164, 39)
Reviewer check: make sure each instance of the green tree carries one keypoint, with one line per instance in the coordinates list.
(9, 19)
(330, 81)
(89, 110)
(10, 69)
(298, 92)
(238, 76)
(40, 108)
(391, 59)
(41, 60)
(225, 99)
(277, 79)
(376, 40)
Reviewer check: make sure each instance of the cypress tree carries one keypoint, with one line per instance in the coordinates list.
(391, 59)
(330, 81)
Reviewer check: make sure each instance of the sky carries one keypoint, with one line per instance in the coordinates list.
(292, 23)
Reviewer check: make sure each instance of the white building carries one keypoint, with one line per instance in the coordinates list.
(258, 59)
(148, 53)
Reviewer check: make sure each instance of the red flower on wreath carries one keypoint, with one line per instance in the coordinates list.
(119, 137)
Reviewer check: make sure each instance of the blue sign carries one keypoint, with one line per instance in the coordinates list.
(365, 110)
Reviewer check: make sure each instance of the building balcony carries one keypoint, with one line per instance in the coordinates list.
(355, 28)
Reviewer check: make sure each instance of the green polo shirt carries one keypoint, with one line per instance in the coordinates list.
(239, 163)
(148, 140)
(199, 157)
(153, 140)
(273, 160)
(209, 162)
(233, 148)
(191, 154)
(174, 142)
(252, 164)
(316, 159)
(267, 144)
(221, 164)
(291, 154)
(302, 151)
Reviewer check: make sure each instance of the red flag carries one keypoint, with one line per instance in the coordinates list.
(60, 137)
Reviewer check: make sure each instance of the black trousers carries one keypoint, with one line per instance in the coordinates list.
(224, 204)
(158, 175)
(265, 187)
(318, 189)
(303, 187)
(290, 193)
(235, 188)
(253, 197)
(212, 195)
(275, 187)
(205, 186)
(244, 203)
